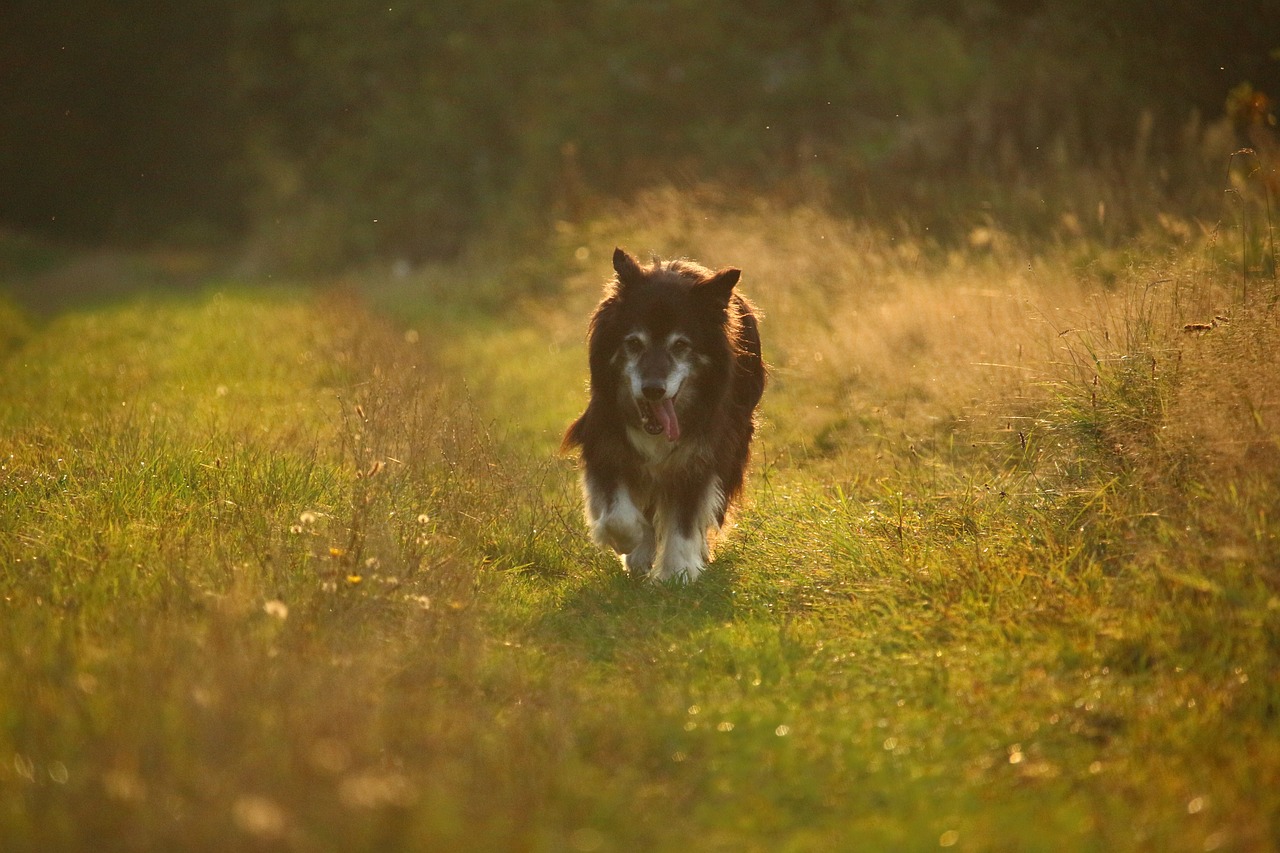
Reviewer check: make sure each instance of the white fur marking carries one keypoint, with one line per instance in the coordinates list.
(640, 561)
(672, 382)
(654, 448)
(684, 557)
(616, 523)
(681, 368)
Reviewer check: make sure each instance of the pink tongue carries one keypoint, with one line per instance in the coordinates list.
(666, 412)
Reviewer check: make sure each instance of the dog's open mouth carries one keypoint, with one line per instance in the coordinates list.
(659, 418)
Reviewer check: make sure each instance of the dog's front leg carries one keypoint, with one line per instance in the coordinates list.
(615, 520)
(639, 561)
(684, 556)
(682, 531)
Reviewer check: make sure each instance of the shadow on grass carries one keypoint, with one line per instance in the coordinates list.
(609, 611)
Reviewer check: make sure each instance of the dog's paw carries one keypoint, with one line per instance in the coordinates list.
(639, 561)
(678, 576)
(683, 559)
(620, 525)
(623, 529)
(621, 537)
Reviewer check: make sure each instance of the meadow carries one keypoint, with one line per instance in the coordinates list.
(299, 567)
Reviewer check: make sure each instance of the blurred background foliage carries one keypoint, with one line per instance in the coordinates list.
(327, 134)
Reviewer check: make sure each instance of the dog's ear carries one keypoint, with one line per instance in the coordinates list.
(627, 268)
(719, 288)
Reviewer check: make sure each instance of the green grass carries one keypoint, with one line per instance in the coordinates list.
(280, 575)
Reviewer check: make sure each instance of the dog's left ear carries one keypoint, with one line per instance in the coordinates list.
(719, 288)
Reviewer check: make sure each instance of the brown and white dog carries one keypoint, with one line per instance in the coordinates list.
(676, 374)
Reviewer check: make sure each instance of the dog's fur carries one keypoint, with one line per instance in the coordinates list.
(676, 374)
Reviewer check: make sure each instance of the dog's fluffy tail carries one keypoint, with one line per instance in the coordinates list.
(574, 435)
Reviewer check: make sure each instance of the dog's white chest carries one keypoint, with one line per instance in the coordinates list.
(654, 449)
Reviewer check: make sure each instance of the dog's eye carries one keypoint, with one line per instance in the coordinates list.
(633, 345)
(679, 347)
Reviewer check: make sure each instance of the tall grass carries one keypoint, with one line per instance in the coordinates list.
(280, 574)
(243, 542)
(990, 451)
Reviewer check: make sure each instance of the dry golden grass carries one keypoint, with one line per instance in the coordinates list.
(866, 330)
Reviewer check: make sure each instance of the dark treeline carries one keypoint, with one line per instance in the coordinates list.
(349, 129)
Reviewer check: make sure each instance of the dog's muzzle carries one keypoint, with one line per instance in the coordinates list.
(658, 417)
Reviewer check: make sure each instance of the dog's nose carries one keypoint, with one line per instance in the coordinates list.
(654, 392)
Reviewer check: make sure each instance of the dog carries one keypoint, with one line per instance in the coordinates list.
(676, 373)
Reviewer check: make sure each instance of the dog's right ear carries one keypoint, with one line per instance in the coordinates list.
(627, 268)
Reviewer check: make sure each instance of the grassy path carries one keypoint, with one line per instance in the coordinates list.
(273, 578)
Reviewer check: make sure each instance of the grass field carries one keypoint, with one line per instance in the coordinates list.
(299, 569)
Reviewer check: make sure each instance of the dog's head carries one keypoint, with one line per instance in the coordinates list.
(660, 330)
